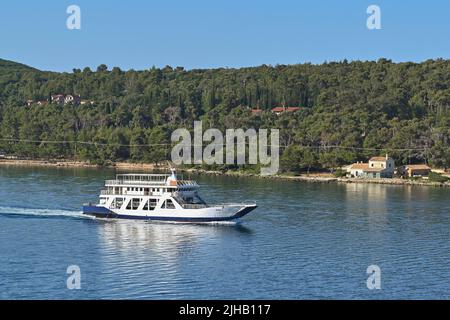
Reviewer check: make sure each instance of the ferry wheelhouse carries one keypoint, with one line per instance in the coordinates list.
(160, 197)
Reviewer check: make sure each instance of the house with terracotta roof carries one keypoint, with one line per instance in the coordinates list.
(280, 110)
(257, 112)
(376, 168)
(357, 169)
(414, 170)
(277, 110)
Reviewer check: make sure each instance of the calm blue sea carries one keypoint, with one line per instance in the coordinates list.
(305, 241)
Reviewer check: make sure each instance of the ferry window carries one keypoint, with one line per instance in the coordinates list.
(153, 203)
(136, 203)
(169, 204)
(150, 204)
(119, 202)
(133, 204)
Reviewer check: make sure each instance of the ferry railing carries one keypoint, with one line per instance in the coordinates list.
(120, 193)
(187, 183)
(181, 183)
(142, 178)
(133, 182)
(106, 192)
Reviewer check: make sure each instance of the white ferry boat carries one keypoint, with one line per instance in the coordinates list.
(160, 197)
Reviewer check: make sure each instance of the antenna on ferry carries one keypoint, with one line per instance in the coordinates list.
(172, 169)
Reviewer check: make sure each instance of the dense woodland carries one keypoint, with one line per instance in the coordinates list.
(351, 111)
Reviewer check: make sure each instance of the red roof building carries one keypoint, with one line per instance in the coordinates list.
(256, 112)
(279, 110)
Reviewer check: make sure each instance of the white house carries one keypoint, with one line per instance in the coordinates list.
(377, 167)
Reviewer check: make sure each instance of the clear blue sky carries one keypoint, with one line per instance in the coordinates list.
(219, 33)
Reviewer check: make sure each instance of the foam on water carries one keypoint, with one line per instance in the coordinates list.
(42, 212)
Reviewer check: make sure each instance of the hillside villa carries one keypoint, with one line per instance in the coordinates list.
(377, 167)
(280, 110)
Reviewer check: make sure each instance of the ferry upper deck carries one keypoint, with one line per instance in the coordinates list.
(147, 184)
(149, 179)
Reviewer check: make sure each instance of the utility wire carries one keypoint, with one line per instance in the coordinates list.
(192, 145)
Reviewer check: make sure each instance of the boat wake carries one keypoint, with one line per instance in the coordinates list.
(18, 211)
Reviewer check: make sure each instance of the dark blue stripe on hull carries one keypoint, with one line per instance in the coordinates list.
(102, 212)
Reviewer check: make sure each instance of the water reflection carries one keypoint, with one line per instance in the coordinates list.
(367, 204)
(155, 260)
(169, 240)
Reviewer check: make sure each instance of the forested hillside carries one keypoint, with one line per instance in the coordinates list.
(351, 110)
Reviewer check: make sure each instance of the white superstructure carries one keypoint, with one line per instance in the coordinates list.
(160, 197)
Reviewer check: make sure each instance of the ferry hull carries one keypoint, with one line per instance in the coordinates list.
(102, 212)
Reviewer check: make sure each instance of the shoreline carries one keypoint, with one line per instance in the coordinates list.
(124, 166)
